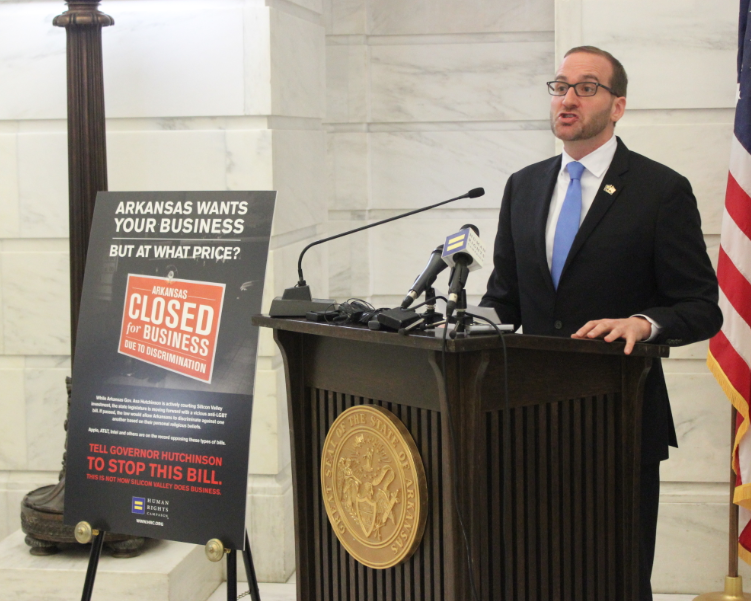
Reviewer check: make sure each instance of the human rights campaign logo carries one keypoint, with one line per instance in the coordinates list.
(139, 505)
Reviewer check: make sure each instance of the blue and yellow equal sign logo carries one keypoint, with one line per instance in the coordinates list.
(139, 505)
(458, 240)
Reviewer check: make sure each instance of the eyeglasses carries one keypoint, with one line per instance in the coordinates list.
(583, 88)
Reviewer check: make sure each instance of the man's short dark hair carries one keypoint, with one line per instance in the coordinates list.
(619, 81)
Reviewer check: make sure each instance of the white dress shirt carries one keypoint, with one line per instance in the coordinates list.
(596, 164)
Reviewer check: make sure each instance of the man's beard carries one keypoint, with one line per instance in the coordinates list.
(582, 131)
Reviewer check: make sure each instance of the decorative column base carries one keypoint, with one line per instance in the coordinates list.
(42, 518)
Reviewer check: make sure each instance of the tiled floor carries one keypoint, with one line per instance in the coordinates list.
(286, 592)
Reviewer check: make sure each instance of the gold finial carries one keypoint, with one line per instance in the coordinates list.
(84, 532)
(215, 550)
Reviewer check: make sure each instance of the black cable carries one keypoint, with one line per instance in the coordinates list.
(455, 465)
(348, 312)
(506, 440)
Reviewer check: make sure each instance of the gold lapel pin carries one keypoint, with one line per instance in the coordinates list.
(609, 189)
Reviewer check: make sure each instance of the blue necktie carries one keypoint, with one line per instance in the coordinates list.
(568, 221)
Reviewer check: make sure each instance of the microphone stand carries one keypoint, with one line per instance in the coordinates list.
(431, 315)
(462, 319)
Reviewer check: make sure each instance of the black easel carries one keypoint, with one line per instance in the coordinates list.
(250, 570)
(96, 552)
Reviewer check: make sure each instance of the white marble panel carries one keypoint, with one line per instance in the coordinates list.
(257, 59)
(167, 160)
(347, 155)
(315, 6)
(701, 414)
(270, 524)
(349, 264)
(461, 82)
(43, 185)
(298, 59)
(400, 250)
(264, 456)
(705, 164)
(249, 160)
(35, 303)
(4, 511)
(10, 214)
(300, 177)
(32, 61)
(164, 58)
(691, 555)
(663, 45)
(389, 17)
(2, 320)
(347, 83)
(347, 17)
(12, 421)
(46, 408)
(698, 350)
(412, 169)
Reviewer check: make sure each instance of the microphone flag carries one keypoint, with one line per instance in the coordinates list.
(465, 242)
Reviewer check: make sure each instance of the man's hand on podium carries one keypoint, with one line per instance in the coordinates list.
(632, 329)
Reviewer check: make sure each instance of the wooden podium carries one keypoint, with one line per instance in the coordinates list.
(571, 461)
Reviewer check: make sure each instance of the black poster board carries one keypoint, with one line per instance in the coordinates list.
(165, 360)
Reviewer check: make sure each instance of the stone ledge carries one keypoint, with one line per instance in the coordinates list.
(165, 571)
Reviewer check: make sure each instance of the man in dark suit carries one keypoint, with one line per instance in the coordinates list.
(601, 242)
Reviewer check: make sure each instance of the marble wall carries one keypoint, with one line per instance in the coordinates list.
(354, 110)
(424, 102)
(199, 95)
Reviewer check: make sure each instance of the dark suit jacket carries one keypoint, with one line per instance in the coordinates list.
(639, 250)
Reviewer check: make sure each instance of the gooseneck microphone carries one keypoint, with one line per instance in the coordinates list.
(464, 252)
(425, 280)
(297, 301)
(474, 193)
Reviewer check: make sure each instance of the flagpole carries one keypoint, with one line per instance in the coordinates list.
(733, 582)
(733, 511)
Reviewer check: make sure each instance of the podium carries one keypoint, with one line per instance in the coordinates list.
(566, 452)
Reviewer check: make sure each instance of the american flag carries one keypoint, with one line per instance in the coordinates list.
(729, 356)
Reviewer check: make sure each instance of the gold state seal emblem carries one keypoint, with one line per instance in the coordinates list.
(374, 486)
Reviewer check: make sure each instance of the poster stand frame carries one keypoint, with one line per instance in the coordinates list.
(85, 533)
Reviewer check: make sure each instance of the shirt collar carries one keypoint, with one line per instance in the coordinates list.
(597, 161)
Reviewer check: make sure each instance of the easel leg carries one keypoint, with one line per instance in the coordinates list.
(250, 570)
(96, 552)
(232, 575)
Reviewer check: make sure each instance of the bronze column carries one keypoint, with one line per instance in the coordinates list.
(87, 151)
(42, 509)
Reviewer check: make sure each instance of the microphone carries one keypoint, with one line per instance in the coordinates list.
(425, 280)
(298, 300)
(464, 252)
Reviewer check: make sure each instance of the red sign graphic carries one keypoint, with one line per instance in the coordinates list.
(172, 324)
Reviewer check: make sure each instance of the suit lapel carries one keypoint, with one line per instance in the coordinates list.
(546, 186)
(611, 187)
